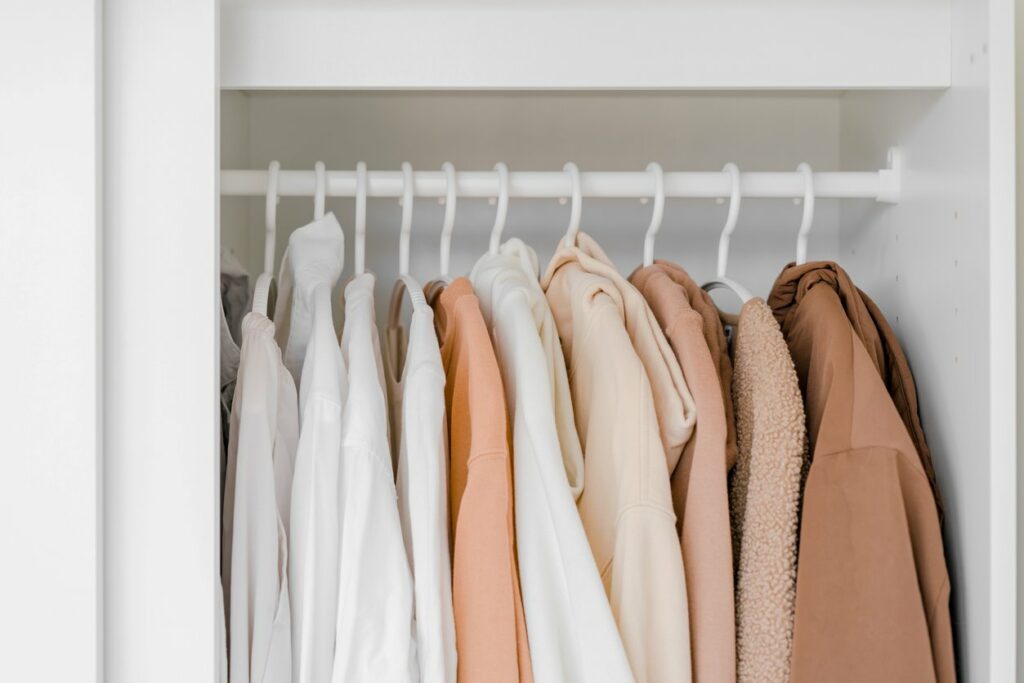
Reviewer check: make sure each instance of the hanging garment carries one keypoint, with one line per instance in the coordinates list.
(235, 293)
(765, 493)
(490, 631)
(573, 636)
(700, 491)
(375, 605)
(872, 596)
(633, 417)
(415, 380)
(311, 267)
(261, 452)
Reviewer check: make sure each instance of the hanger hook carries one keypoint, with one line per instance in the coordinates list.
(449, 217)
(805, 221)
(320, 195)
(407, 199)
(360, 218)
(502, 212)
(654, 169)
(270, 245)
(577, 204)
(731, 218)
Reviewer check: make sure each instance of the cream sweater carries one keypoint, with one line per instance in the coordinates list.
(633, 414)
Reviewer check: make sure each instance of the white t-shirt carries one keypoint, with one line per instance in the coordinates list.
(572, 631)
(375, 602)
(416, 380)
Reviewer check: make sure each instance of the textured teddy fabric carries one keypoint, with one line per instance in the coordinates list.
(765, 494)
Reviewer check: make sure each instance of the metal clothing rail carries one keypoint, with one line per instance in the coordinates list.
(882, 185)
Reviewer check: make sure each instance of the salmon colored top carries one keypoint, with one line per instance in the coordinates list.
(490, 629)
(700, 492)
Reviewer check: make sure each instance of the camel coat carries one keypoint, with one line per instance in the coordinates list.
(872, 600)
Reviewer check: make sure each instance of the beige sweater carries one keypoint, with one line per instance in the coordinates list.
(633, 415)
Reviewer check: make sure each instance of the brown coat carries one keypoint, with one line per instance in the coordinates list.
(872, 599)
(700, 492)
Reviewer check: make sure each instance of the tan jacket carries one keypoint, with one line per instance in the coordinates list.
(633, 415)
(699, 482)
(490, 630)
(765, 494)
(872, 599)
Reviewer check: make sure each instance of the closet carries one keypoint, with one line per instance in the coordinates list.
(907, 103)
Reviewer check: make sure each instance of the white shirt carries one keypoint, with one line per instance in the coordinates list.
(416, 379)
(312, 266)
(572, 631)
(261, 451)
(375, 603)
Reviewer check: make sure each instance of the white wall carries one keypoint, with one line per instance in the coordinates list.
(541, 131)
(939, 264)
(50, 502)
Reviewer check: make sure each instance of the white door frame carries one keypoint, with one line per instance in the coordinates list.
(160, 262)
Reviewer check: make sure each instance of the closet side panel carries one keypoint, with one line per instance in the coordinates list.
(936, 265)
(161, 347)
(50, 526)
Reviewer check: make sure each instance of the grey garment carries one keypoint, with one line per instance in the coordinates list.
(236, 299)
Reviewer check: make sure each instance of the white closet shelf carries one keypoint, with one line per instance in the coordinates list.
(585, 44)
(883, 185)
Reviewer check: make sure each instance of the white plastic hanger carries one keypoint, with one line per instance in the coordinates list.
(265, 285)
(404, 236)
(577, 204)
(449, 221)
(722, 281)
(320, 195)
(502, 212)
(808, 217)
(658, 212)
(360, 218)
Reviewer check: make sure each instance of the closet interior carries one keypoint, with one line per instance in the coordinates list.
(910, 219)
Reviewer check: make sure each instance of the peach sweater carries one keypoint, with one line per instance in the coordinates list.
(699, 483)
(490, 629)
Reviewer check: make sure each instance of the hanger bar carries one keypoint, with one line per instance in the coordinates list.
(883, 185)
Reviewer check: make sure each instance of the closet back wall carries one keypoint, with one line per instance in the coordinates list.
(536, 132)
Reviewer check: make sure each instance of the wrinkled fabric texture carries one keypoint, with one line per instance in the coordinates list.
(872, 598)
(415, 379)
(374, 640)
(878, 339)
(235, 292)
(573, 636)
(490, 628)
(633, 416)
(700, 492)
(264, 431)
(311, 267)
(765, 494)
